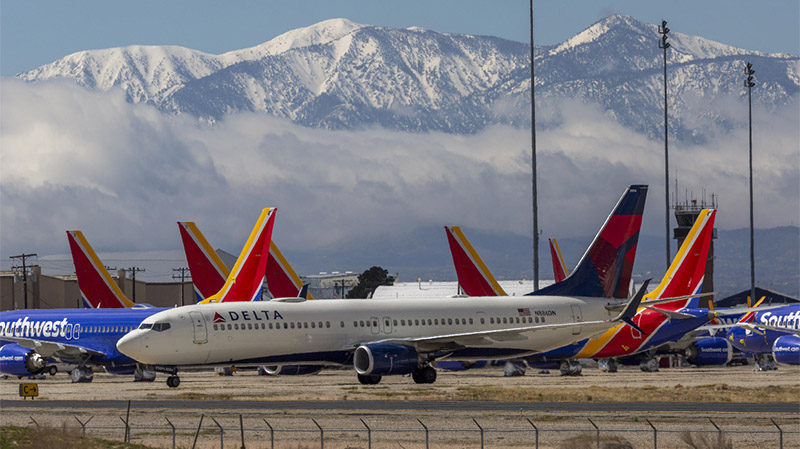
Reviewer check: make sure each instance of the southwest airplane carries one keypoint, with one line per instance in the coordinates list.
(656, 325)
(402, 336)
(560, 271)
(775, 331)
(210, 273)
(88, 337)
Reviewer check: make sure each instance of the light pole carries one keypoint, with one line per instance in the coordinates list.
(533, 168)
(663, 44)
(749, 83)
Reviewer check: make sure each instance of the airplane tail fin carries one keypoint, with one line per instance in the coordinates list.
(245, 280)
(208, 271)
(748, 317)
(687, 271)
(605, 268)
(282, 280)
(560, 271)
(473, 275)
(97, 288)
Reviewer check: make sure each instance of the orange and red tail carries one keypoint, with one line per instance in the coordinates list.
(473, 275)
(97, 288)
(560, 271)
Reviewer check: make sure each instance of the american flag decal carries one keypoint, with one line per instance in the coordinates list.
(524, 312)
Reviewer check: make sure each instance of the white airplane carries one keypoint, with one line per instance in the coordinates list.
(403, 336)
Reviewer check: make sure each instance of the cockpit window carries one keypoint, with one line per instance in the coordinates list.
(146, 326)
(160, 327)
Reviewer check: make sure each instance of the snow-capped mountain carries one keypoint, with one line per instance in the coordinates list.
(339, 74)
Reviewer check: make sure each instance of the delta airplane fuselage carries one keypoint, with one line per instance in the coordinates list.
(328, 331)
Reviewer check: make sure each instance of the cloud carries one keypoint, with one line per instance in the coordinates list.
(125, 173)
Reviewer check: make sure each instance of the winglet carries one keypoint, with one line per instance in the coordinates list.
(633, 305)
(606, 267)
(303, 291)
(559, 267)
(97, 288)
(245, 280)
(473, 275)
(208, 271)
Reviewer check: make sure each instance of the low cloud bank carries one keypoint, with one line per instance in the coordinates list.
(124, 174)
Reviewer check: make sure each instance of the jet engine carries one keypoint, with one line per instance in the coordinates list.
(709, 351)
(18, 361)
(786, 350)
(290, 370)
(384, 359)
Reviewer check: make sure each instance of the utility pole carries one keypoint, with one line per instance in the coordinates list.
(24, 274)
(183, 277)
(133, 271)
(533, 169)
(663, 44)
(749, 83)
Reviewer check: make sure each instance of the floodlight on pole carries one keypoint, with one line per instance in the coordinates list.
(663, 44)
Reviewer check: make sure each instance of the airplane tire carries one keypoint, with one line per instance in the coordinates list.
(369, 380)
(173, 381)
(52, 370)
(426, 375)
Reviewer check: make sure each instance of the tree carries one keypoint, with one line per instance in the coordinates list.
(369, 280)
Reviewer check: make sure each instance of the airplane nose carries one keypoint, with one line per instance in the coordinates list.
(131, 345)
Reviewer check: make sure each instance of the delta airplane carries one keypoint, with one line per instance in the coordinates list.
(675, 315)
(205, 266)
(775, 331)
(88, 337)
(395, 337)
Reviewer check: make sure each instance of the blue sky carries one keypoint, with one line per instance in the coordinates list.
(33, 33)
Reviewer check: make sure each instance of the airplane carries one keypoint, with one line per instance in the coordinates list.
(669, 321)
(775, 331)
(396, 337)
(98, 289)
(88, 337)
(210, 272)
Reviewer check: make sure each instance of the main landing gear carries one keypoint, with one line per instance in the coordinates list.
(424, 375)
(367, 379)
(173, 381)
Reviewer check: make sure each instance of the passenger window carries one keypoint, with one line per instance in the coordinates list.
(429, 322)
(436, 321)
(517, 320)
(342, 323)
(416, 322)
(313, 325)
(250, 326)
(542, 319)
(270, 325)
(387, 323)
(450, 321)
(229, 327)
(483, 321)
(361, 323)
(395, 322)
(320, 324)
(305, 325)
(328, 324)
(263, 325)
(355, 323)
(374, 324)
(292, 325)
(470, 321)
(504, 320)
(236, 326)
(402, 322)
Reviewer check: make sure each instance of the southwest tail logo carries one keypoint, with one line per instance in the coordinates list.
(208, 271)
(473, 275)
(96, 286)
(218, 318)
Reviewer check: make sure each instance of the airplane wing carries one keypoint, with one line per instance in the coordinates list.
(57, 350)
(757, 328)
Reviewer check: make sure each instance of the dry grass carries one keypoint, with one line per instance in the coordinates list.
(63, 438)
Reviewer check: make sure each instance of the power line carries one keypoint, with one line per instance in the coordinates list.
(183, 276)
(133, 271)
(24, 257)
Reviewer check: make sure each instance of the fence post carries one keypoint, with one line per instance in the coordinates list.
(221, 433)
(271, 434)
(479, 426)
(321, 434)
(369, 434)
(426, 433)
(127, 425)
(127, 432)
(196, 434)
(655, 434)
(780, 431)
(719, 431)
(83, 425)
(597, 429)
(536, 431)
(241, 426)
(173, 431)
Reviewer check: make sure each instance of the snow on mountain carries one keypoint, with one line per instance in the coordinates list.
(340, 74)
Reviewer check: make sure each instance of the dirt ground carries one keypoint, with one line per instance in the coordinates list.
(405, 428)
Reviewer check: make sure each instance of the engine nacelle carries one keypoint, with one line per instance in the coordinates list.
(786, 350)
(18, 361)
(290, 370)
(709, 351)
(384, 359)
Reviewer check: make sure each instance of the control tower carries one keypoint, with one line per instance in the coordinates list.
(686, 214)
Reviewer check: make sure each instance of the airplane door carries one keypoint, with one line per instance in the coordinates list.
(577, 317)
(375, 325)
(199, 326)
(387, 325)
